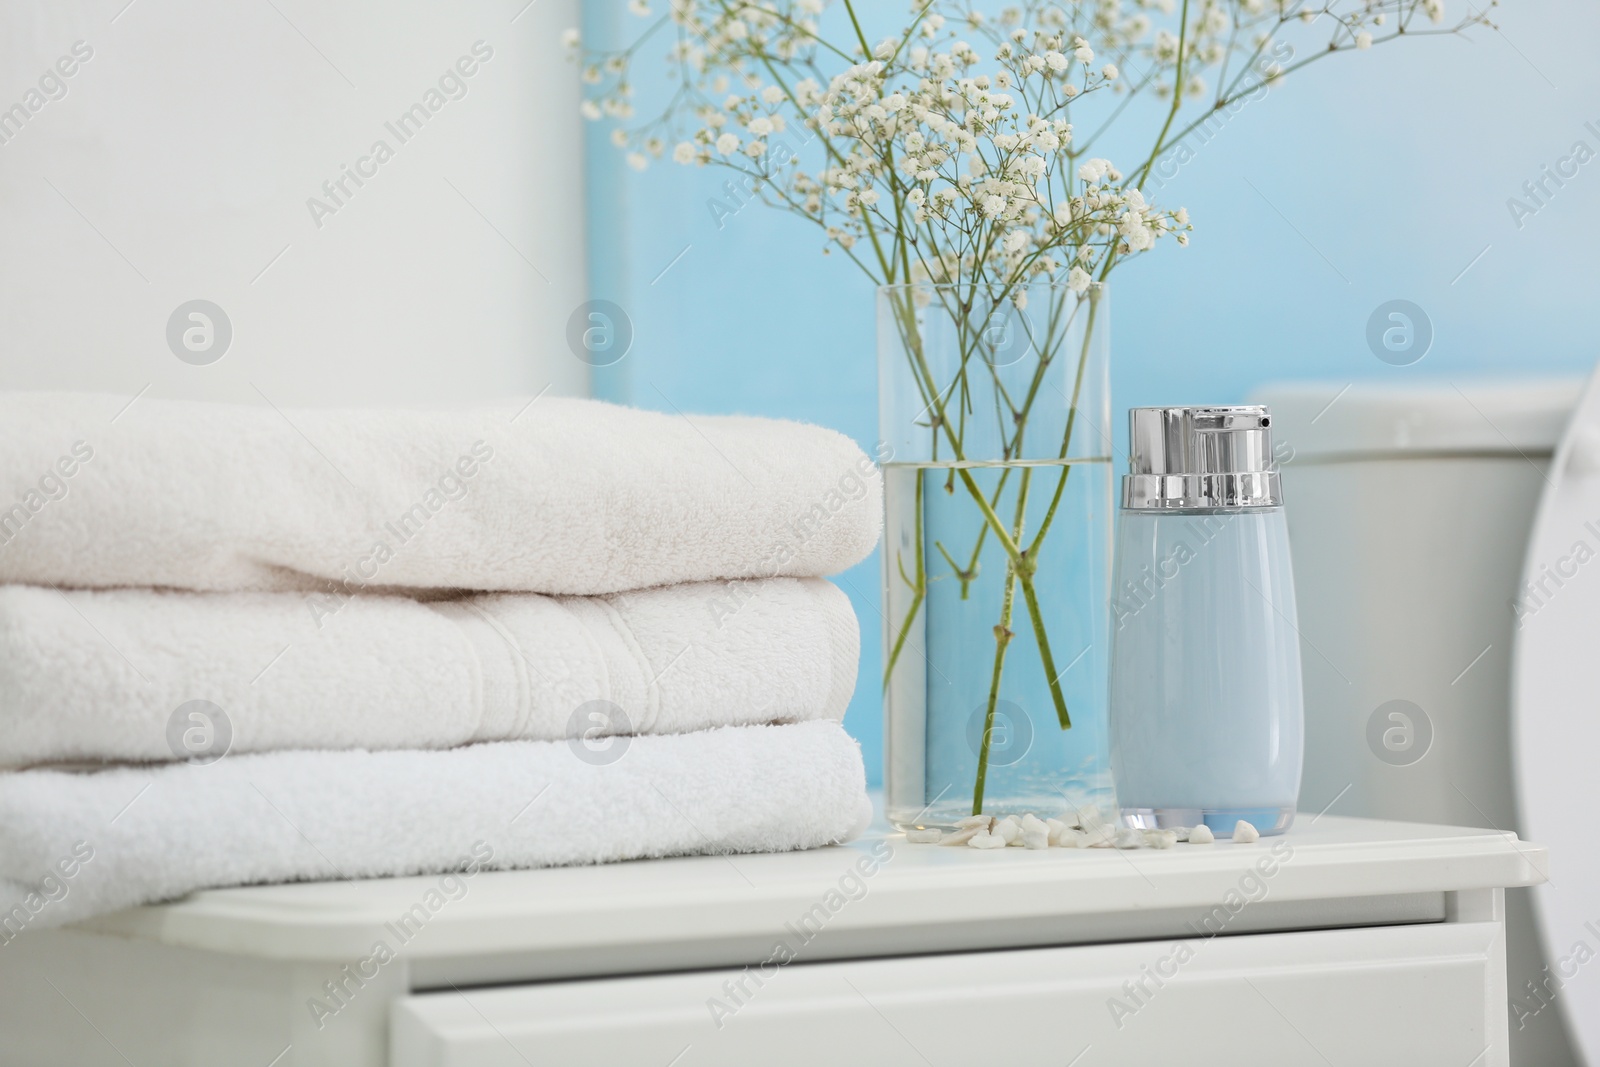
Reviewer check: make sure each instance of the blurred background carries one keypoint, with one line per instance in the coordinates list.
(178, 162)
(1369, 177)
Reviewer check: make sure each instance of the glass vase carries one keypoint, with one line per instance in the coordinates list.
(995, 402)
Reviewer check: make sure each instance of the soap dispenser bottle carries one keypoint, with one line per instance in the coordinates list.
(1207, 715)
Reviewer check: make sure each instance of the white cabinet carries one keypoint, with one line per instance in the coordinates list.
(1414, 995)
(1348, 941)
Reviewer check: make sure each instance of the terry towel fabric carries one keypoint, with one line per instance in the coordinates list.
(565, 496)
(98, 675)
(77, 845)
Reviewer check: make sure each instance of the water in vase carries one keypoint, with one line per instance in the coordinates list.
(944, 690)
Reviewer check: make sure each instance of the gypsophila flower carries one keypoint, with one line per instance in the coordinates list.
(946, 151)
(1094, 171)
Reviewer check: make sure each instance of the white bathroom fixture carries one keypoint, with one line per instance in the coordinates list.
(1409, 512)
(1556, 732)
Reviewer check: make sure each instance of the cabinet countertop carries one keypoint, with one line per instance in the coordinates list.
(875, 896)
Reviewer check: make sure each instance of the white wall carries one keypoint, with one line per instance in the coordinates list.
(179, 162)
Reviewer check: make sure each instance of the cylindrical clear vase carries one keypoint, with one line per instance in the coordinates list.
(995, 402)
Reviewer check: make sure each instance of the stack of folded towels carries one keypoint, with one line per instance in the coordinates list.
(243, 645)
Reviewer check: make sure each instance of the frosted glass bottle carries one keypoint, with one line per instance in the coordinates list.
(1207, 718)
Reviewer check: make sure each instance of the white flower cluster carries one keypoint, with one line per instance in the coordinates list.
(966, 166)
(949, 151)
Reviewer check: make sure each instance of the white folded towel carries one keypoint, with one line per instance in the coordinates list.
(89, 675)
(566, 496)
(77, 845)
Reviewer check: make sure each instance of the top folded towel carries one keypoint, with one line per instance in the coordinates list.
(565, 497)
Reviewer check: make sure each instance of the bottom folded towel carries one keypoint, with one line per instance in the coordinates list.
(74, 845)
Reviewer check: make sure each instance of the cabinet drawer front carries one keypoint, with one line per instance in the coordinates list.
(1415, 995)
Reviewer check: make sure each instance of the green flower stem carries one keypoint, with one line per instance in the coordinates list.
(1002, 641)
(1138, 176)
(919, 591)
(970, 575)
(1072, 418)
(1046, 659)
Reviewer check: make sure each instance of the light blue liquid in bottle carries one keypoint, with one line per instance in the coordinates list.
(1206, 715)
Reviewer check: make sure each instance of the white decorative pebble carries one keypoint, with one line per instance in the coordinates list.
(1070, 838)
(1201, 835)
(1055, 826)
(961, 836)
(1244, 833)
(929, 836)
(983, 840)
(1160, 838)
(1039, 838)
(1182, 832)
(984, 821)
(1031, 821)
(1127, 837)
(1007, 829)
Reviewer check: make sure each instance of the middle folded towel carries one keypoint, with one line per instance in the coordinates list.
(90, 675)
